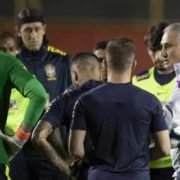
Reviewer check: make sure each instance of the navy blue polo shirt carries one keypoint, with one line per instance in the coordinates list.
(60, 110)
(119, 119)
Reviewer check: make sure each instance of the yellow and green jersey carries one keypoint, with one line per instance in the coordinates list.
(146, 81)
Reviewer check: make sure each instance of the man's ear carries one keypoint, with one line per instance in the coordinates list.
(134, 64)
(17, 31)
(74, 76)
(105, 63)
(44, 26)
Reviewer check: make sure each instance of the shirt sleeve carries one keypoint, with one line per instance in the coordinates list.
(31, 88)
(78, 116)
(174, 105)
(158, 119)
(18, 74)
(55, 112)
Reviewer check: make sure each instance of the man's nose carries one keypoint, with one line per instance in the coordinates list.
(33, 34)
(163, 54)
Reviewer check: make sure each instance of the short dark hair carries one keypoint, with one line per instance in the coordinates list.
(121, 52)
(101, 45)
(28, 15)
(153, 37)
(5, 35)
(83, 59)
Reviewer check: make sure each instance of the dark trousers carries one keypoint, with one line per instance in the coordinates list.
(177, 178)
(18, 167)
(4, 172)
(162, 174)
(83, 172)
(43, 170)
(97, 174)
(23, 168)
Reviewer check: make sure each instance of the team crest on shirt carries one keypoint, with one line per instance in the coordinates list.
(50, 72)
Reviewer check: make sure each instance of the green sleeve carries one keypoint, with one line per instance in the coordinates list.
(18, 74)
(29, 87)
(38, 98)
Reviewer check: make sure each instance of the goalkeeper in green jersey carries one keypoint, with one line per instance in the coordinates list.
(14, 75)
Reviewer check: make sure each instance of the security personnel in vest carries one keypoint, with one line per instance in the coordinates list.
(160, 81)
(52, 68)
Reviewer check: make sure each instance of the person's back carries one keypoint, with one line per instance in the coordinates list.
(120, 129)
(85, 71)
(119, 118)
(70, 97)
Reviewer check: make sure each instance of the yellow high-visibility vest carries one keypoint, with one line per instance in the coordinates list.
(146, 81)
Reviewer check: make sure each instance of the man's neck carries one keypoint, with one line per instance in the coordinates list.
(118, 78)
(165, 72)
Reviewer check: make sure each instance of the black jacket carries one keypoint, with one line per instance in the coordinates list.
(51, 67)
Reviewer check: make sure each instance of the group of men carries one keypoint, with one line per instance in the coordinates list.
(91, 119)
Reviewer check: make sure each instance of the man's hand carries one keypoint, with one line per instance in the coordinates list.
(175, 137)
(75, 168)
(12, 144)
(64, 167)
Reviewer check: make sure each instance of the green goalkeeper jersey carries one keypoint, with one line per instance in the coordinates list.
(14, 75)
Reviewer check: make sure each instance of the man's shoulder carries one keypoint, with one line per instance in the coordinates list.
(143, 75)
(84, 88)
(91, 84)
(10, 61)
(94, 91)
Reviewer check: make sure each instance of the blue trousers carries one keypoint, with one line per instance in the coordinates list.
(97, 174)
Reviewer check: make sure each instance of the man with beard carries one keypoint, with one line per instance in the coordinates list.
(160, 81)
